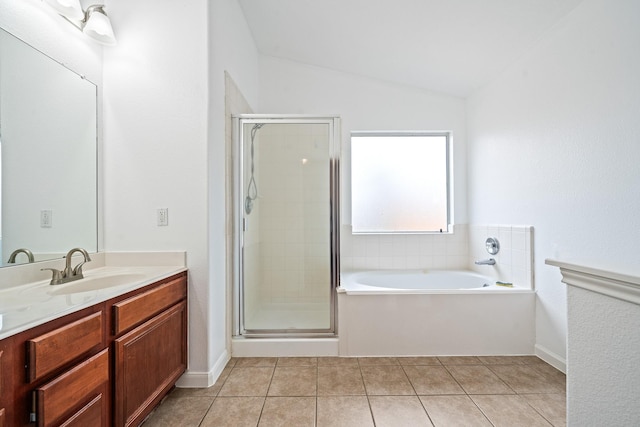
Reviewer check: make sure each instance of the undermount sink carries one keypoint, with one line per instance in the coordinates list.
(95, 283)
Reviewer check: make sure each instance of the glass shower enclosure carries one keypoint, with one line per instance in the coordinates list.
(286, 225)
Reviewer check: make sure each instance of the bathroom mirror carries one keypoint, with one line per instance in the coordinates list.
(48, 155)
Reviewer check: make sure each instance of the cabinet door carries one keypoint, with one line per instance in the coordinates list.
(148, 361)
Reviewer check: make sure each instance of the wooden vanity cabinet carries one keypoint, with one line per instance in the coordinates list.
(149, 349)
(108, 364)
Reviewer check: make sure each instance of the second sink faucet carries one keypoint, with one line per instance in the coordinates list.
(69, 274)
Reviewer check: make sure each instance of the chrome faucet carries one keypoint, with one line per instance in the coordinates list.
(489, 261)
(27, 252)
(69, 274)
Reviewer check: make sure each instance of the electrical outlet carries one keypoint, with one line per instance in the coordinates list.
(163, 217)
(46, 218)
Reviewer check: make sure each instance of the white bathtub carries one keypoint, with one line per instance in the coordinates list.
(417, 312)
(417, 281)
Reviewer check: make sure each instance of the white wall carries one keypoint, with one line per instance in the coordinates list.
(554, 142)
(155, 118)
(369, 104)
(231, 49)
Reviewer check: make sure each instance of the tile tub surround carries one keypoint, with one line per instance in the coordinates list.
(514, 261)
(447, 251)
(381, 391)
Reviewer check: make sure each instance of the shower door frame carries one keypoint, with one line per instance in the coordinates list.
(333, 122)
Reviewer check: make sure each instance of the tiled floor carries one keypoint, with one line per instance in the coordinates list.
(378, 391)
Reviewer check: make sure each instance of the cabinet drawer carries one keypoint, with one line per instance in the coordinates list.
(139, 308)
(60, 396)
(60, 346)
(89, 415)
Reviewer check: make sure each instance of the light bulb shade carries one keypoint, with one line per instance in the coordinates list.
(98, 26)
(70, 9)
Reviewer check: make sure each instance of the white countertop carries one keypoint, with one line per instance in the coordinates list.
(26, 305)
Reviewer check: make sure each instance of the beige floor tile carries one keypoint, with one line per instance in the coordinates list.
(552, 374)
(338, 361)
(247, 382)
(503, 360)
(423, 360)
(432, 380)
(182, 411)
(386, 380)
(294, 381)
(553, 407)
(398, 411)
(297, 361)
(375, 361)
(344, 411)
(532, 360)
(459, 360)
(454, 411)
(255, 362)
(509, 411)
(339, 381)
(478, 379)
(234, 411)
(288, 411)
(525, 379)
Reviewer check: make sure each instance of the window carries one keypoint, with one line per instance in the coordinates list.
(400, 182)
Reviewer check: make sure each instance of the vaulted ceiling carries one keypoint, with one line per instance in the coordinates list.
(450, 46)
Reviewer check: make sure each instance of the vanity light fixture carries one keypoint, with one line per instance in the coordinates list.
(94, 21)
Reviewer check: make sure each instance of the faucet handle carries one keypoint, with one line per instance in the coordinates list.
(77, 271)
(57, 275)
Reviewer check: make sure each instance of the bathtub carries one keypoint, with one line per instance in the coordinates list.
(417, 281)
(431, 313)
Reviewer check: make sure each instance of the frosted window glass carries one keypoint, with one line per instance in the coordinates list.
(399, 183)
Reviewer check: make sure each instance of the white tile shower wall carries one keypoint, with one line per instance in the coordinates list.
(514, 261)
(404, 251)
(294, 231)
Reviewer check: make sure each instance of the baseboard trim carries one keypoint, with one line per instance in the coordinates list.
(551, 358)
(195, 379)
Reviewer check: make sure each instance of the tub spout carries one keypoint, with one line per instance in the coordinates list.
(489, 261)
